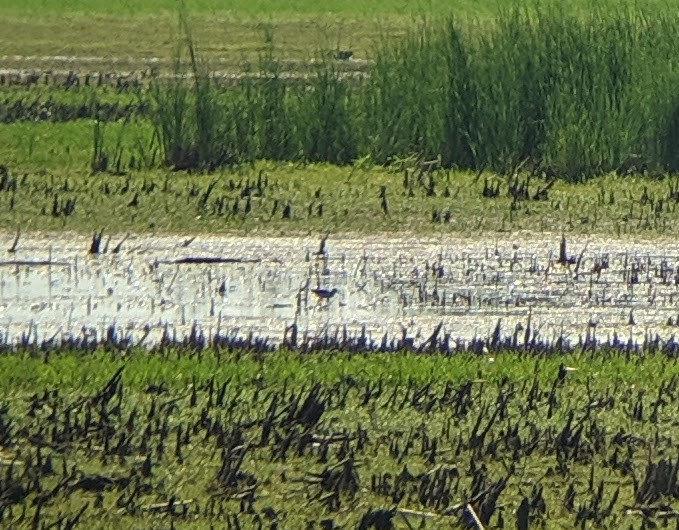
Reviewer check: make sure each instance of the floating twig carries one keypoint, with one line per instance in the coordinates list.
(195, 260)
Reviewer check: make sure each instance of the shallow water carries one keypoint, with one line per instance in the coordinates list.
(386, 284)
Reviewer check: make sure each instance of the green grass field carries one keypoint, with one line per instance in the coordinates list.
(228, 30)
(51, 165)
(198, 441)
(297, 7)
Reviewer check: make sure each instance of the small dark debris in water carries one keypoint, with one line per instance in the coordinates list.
(96, 242)
(321, 249)
(119, 246)
(196, 260)
(33, 263)
(14, 246)
(564, 258)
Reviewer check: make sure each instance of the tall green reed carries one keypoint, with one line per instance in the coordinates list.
(574, 95)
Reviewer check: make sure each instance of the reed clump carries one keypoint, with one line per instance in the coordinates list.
(549, 91)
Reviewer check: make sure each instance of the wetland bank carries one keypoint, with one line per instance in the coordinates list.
(361, 291)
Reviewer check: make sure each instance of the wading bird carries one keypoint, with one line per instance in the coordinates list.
(325, 294)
